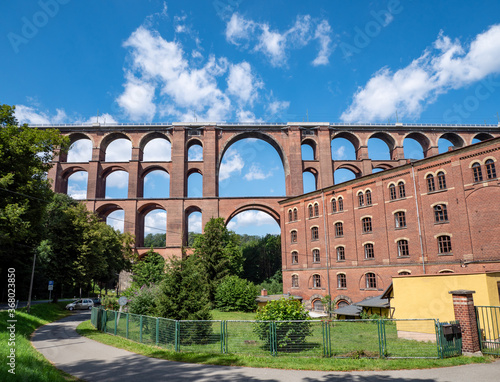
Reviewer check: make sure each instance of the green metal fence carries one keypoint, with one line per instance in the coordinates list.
(488, 326)
(385, 338)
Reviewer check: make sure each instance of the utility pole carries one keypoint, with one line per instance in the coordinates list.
(31, 283)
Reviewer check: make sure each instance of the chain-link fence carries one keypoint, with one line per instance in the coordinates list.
(385, 338)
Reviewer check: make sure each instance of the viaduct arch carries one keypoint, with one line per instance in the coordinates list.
(215, 139)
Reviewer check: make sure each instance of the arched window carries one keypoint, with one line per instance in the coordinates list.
(440, 213)
(339, 229)
(368, 197)
(491, 172)
(316, 281)
(403, 248)
(430, 183)
(340, 253)
(361, 199)
(341, 281)
(444, 244)
(293, 236)
(316, 209)
(400, 219)
(401, 189)
(334, 205)
(441, 180)
(392, 191)
(367, 225)
(341, 203)
(310, 209)
(295, 281)
(314, 233)
(295, 217)
(404, 273)
(295, 257)
(318, 306)
(316, 258)
(478, 174)
(369, 253)
(371, 280)
(290, 217)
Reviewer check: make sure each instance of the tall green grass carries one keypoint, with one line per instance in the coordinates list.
(30, 364)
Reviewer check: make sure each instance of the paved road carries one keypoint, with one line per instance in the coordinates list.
(22, 304)
(93, 361)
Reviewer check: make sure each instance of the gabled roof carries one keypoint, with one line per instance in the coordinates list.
(349, 310)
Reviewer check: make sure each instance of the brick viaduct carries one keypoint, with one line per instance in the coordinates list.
(215, 139)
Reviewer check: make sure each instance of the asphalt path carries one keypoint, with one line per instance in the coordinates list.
(92, 361)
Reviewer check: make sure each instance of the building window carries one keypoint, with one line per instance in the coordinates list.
(403, 248)
(293, 236)
(400, 219)
(368, 197)
(295, 281)
(340, 253)
(440, 213)
(369, 253)
(371, 280)
(339, 229)
(478, 174)
(295, 217)
(444, 244)
(316, 281)
(341, 281)
(310, 208)
(290, 215)
(334, 205)
(361, 199)
(316, 258)
(430, 183)
(341, 203)
(314, 233)
(367, 225)
(316, 209)
(491, 172)
(392, 192)
(402, 191)
(295, 257)
(441, 180)
(318, 306)
(404, 273)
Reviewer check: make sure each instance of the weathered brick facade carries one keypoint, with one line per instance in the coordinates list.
(453, 226)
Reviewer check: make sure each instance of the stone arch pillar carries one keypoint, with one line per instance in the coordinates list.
(178, 181)
(325, 176)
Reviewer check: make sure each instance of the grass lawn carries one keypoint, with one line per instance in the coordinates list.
(246, 350)
(30, 364)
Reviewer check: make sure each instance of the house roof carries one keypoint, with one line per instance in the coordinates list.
(374, 302)
(273, 297)
(349, 310)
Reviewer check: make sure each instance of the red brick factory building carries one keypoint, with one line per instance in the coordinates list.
(437, 215)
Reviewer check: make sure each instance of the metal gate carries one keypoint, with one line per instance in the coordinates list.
(488, 326)
(449, 337)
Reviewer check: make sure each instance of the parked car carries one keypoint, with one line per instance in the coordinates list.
(96, 301)
(83, 303)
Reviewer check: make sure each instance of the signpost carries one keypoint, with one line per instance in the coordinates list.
(51, 288)
(121, 301)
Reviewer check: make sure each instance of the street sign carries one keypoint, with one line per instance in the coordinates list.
(122, 301)
(51, 285)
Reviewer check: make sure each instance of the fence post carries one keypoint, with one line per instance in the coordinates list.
(177, 335)
(157, 331)
(463, 306)
(140, 329)
(116, 323)
(273, 339)
(126, 330)
(438, 338)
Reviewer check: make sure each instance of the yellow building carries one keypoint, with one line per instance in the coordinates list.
(427, 296)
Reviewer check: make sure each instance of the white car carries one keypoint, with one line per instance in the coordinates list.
(83, 303)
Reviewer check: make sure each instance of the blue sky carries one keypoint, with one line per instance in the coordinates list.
(64, 61)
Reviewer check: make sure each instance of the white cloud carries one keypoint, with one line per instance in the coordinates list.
(117, 179)
(77, 185)
(339, 153)
(242, 83)
(30, 115)
(80, 151)
(194, 223)
(247, 116)
(409, 90)
(103, 119)
(120, 150)
(137, 99)
(195, 153)
(250, 219)
(256, 173)
(155, 222)
(274, 44)
(116, 219)
(158, 150)
(277, 107)
(231, 163)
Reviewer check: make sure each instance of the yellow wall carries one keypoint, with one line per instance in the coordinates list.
(428, 297)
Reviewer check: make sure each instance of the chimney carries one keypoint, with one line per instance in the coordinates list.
(263, 292)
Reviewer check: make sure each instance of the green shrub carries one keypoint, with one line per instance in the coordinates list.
(144, 300)
(273, 285)
(289, 334)
(110, 302)
(234, 294)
